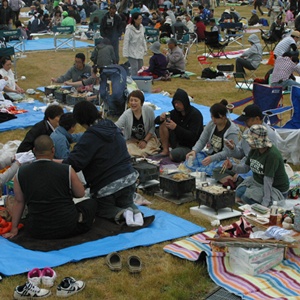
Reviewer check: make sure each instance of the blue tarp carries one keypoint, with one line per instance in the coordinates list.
(16, 259)
(32, 117)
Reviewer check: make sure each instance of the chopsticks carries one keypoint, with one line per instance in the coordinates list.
(224, 167)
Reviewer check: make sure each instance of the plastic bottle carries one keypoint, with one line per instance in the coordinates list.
(273, 214)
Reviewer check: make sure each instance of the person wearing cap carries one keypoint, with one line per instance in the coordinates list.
(235, 15)
(134, 45)
(68, 19)
(209, 151)
(182, 130)
(257, 5)
(287, 44)
(254, 19)
(137, 124)
(284, 68)
(76, 72)
(166, 28)
(63, 136)
(175, 59)
(252, 57)
(226, 17)
(269, 182)
(111, 28)
(157, 63)
(179, 29)
(275, 7)
(251, 115)
(277, 29)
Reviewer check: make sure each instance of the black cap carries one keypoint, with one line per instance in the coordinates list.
(251, 111)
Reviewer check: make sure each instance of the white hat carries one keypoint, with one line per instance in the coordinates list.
(168, 21)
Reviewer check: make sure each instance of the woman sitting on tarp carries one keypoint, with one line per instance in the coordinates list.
(137, 124)
(38, 25)
(11, 89)
(209, 151)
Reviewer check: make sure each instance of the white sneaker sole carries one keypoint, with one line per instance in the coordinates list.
(17, 296)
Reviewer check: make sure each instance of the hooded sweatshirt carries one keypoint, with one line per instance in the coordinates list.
(189, 126)
(101, 154)
(103, 55)
(134, 42)
(254, 53)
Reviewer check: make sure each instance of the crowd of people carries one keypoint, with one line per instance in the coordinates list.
(103, 152)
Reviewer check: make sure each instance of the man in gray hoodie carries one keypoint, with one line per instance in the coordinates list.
(252, 57)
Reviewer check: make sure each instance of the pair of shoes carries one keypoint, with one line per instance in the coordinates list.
(185, 76)
(30, 291)
(47, 276)
(113, 260)
(134, 264)
(69, 286)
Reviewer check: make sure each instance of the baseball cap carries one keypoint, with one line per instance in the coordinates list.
(295, 33)
(251, 111)
(65, 14)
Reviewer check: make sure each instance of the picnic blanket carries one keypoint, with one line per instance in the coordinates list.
(35, 111)
(281, 282)
(16, 259)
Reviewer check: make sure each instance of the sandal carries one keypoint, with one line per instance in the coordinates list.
(113, 260)
(134, 264)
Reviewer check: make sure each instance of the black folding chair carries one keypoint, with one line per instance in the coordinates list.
(213, 44)
(241, 82)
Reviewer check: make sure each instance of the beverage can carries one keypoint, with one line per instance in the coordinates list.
(168, 116)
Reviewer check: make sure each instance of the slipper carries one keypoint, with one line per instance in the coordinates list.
(113, 260)
(134, 264)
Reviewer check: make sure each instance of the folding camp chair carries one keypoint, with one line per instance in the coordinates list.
(202, 59)
(270, 43)
(234, 32)
(184, 44)
(212, 43)
(64, 36)
(267, 98)
(14, 39)
(151, 34)
(241, 82)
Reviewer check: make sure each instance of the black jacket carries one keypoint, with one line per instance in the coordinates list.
(5, 15)
(109, 30)
(189, 127)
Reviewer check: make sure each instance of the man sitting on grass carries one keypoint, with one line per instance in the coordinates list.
(48, 189)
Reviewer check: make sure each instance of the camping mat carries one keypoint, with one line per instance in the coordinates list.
(42, 44)
(16, 259)
(281, 282)
(31, 117)
(101, 228)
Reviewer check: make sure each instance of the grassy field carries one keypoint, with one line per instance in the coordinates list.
(163, 276)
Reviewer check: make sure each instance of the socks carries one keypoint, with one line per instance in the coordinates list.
(128, 215)
(133, 220)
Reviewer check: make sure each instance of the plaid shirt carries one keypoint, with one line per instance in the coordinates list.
(283, 69)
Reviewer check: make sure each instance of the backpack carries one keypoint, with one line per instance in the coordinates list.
(211, 73)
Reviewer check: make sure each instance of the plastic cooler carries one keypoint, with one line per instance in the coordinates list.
(144, 83)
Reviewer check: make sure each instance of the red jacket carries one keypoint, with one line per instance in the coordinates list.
(200, 31)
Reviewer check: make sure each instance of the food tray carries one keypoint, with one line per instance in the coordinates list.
(215, 201)
(72, 100)
(50, 90)
(177, 187)
(146, 171)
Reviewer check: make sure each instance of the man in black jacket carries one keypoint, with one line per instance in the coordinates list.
(46, 126)
(182, 129)
(111, 28)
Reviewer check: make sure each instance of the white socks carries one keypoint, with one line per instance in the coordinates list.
(133, 219)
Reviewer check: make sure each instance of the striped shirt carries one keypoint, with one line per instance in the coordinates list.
(283, 69)
(284, 46)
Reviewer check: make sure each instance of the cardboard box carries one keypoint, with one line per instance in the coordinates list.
(240, 267)
(144, 83)
(251, 256)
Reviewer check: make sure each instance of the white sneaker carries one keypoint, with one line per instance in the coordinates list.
(34, 276)
(30, 291)
(69, 286)
(48, 277)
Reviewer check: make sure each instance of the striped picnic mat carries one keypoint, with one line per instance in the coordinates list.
(281, 282)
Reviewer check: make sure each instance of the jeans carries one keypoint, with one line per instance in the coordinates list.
(286, 84)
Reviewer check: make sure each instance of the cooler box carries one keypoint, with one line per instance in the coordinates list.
(144, 83)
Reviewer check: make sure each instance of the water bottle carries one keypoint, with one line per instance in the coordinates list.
(190, 161)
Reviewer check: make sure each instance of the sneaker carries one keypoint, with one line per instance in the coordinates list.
(30, 291)
(48, 277)
(34, 276)
(69, 286)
